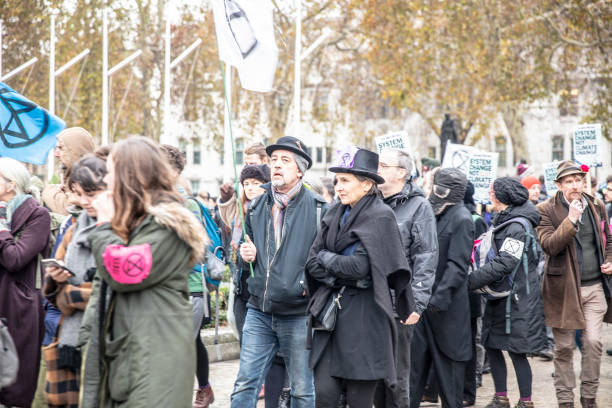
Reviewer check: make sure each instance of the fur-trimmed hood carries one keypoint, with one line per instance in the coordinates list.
(179, 219)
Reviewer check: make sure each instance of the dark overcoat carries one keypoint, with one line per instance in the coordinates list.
(561, 286)
(527, 330)
(449, 309)
(20, 301)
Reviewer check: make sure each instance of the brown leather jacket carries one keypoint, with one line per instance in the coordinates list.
(561, 287)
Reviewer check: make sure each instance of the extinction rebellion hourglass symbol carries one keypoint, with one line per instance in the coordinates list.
(13, 133)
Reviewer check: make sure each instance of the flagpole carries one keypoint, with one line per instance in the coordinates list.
(104, 77)
(0, 48)
(298, 72)
(228, 160)
(164, 138)
(51, 158)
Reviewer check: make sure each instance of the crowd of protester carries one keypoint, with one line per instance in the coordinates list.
(378, 287)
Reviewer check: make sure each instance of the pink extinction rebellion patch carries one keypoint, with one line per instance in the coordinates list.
(128, 265)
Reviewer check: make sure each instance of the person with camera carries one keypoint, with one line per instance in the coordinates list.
(575, 235)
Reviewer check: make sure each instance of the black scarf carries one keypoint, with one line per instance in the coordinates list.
(373, 224)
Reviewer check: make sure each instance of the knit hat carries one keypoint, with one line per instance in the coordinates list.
(530, 181)
(259, 172)
(523, 170)
(510, 191)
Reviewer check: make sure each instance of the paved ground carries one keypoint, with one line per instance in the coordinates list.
(223, 374)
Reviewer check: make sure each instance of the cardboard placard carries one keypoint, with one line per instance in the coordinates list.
(587, 144)
(393, 140)
(458, 156)
(550, 174)
(482, 171)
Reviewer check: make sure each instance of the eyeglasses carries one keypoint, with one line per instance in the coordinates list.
(386, 166)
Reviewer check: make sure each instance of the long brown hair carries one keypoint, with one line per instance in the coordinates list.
(142, 178)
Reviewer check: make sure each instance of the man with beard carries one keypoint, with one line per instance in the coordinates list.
(442, 337)
(280, 225)
(417, 226)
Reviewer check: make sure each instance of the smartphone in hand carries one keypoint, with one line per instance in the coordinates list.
(49, 262)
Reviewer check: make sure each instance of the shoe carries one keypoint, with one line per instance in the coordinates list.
(566, 405)
(428, 398)
(204, 397)
(524, 404)
(469, 403)
(588, 402)
(284, 401)
(486, 369)
(478, 380)
(546, 354)
(499, 402)
(342, 400)
(609, 352)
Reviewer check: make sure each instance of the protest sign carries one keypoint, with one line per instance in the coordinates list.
(550, 174)
(458, 156)
(393, 140)
(587, 144)
(482, 170)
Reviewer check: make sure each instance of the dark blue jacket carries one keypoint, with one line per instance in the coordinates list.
(278, 284)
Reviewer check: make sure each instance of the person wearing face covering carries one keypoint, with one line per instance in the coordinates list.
(442, 337)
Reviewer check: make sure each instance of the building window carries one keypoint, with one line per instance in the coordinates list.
(500, 147)
(319, 155)
(239, 151)
(197, 152)
(309, 151)
(557, 148)
(328, 155)
(431, 152)
(182, 144)
(568, 105)
(195, 186)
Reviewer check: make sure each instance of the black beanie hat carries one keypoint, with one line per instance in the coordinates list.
(259, 172)
(510, 191)
(469, 194)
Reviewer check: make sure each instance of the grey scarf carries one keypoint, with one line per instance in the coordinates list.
(79, 259)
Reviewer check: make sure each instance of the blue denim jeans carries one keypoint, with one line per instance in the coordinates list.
(263, 335)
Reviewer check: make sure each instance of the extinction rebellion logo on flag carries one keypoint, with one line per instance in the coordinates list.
(27, 131)
(13, 133)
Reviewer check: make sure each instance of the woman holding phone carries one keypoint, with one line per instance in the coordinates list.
(69, 288)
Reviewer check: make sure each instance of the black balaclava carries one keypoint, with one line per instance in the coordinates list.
(449, 187)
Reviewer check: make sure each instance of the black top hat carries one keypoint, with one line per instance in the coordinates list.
(358, 161)
(293, 144)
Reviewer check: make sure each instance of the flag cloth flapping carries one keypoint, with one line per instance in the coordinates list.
(27, 131)
(245, 35)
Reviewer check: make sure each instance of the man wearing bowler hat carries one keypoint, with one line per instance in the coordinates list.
(280, 225)
(574, 233)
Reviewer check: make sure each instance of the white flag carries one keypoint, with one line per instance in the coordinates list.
(245, 35)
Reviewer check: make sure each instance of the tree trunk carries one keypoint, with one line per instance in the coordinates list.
(513, 115)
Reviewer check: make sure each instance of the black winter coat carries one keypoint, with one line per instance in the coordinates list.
(449, 310)
(527, 329)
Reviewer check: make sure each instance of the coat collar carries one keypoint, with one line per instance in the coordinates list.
(22, 214)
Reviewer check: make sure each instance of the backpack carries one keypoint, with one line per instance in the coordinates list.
(214, 234)
(485, 250)
(9, 360)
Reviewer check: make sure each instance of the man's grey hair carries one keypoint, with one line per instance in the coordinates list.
(404, 161)
(301, 162)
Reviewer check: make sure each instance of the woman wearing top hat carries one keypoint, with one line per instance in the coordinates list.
(358, 248)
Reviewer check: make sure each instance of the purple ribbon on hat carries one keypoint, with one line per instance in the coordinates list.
(346, 157)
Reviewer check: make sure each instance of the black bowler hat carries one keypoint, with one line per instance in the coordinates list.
(293, 144)
(358, 161)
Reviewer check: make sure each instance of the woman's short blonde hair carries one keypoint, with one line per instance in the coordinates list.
(16, 172)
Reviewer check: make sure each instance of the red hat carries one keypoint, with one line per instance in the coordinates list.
(529, 181)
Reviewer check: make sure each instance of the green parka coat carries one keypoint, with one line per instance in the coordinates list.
(147, 357)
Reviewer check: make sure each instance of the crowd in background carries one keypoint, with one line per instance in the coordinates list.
(385, 286)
